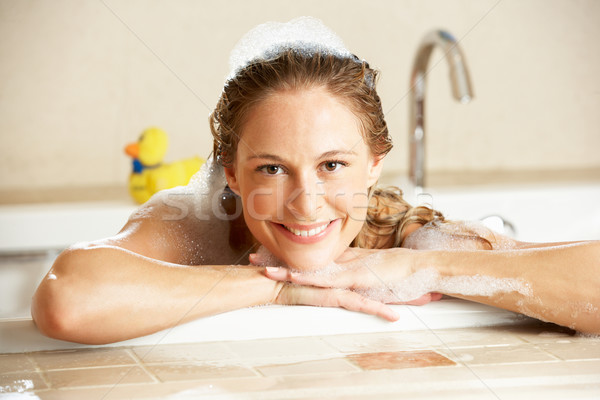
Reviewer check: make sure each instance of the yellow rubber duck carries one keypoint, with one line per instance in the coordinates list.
(149, 174)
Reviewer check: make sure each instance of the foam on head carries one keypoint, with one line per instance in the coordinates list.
(307, 35)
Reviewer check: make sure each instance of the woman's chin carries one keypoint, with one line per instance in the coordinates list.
(309, 262)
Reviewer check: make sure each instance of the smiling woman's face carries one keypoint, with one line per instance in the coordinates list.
(303, 169)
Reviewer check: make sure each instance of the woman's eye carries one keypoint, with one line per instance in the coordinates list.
(271, 169)
(332, 166)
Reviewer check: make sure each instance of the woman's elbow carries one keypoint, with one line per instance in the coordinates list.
(54, 308)
(51, 315)
(49, 319)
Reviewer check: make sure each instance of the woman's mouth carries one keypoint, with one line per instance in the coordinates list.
(306, 234)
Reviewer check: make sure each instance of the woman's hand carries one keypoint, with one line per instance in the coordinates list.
(291, 294)
(361, 280)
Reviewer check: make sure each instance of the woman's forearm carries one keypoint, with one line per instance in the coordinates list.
(107, 294)
(559, 284)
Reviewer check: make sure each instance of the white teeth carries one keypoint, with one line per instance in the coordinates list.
(311, 232)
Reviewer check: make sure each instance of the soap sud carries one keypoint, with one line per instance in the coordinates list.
(429, 280)
(207, 242)
(462, 235)
(207, 185)
(578, 307)
(202, 195)
(420, 283)
(306, 35)
(19, 386)
(270, 260)
(210, 175)
(587, 335)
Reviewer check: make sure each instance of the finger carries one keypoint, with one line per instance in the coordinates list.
(256, 259)
(318, 279)
(306, 279)
(356, 302)
(436, 296)
(277, 273)
(337, 298)
(426, 298)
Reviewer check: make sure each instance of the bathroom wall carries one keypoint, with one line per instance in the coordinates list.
(80, 79)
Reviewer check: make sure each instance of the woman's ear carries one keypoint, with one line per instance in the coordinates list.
(375, 167)
(232, 181)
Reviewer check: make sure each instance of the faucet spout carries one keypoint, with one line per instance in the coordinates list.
(461, 91)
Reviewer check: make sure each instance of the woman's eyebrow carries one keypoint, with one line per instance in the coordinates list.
(337, 153)
(327, 154)
(267, 156)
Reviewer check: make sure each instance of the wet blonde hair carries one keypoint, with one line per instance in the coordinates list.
(351, 81)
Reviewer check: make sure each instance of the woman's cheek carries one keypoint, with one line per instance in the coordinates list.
(351, 200)
(260, 203)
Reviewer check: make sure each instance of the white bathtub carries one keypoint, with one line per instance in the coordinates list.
(537, 213)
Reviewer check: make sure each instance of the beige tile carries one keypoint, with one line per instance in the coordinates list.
(330, 366)
(419, 394)
(234, 388)
(174, 390)
(384, 381)
(546, 333)
(389, 341)
(105, 393)
(82, 358)
(15, 363)
(585, 350)
(498, 355)
(399, 360)
(476, 337)
(550, 392)
(97, 377)
(555, 372)
(291, 349)
(412, 340)
(21, 382)
(188, 372)
(193, 352)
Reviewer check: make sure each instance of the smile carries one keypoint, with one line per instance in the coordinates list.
(307, 233)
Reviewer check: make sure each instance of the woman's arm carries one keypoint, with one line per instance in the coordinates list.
(557, 283)
(105, 294)
(147, 278)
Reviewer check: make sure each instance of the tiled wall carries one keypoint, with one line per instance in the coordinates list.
(80, 79)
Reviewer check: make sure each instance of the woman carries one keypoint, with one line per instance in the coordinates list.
(300, 135)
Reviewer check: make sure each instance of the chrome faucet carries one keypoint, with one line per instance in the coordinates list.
(461, 90)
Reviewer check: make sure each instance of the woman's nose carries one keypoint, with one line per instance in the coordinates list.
(305, 199)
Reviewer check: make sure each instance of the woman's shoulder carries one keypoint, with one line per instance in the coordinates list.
(174, 227)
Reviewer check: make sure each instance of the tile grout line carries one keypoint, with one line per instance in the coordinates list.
(141, 364)
(168, 331)
(445, 345)
(554, 356)
(41, 372)
(427, 327)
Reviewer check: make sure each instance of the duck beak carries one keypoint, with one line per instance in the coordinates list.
(132, 150)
